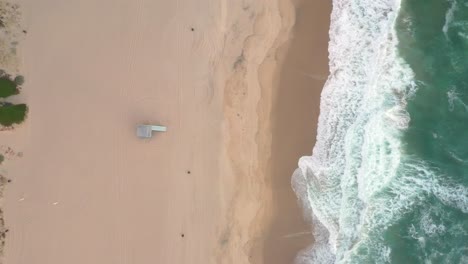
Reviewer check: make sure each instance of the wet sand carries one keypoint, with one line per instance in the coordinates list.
(294, 118)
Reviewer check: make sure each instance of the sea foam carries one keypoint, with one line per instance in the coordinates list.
(358, 149)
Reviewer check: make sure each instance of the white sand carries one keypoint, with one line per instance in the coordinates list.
(87, 190)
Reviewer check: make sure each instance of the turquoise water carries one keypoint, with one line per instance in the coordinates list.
(433, 38)
(388, 178)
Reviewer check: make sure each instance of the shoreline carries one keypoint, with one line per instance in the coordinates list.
(263, 195)
(299, 79)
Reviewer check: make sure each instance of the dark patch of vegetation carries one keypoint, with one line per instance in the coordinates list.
(7, 87)
(2, 158)
(12, 114)
(19, 80)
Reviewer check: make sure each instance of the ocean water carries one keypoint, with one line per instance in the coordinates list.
(387, 181)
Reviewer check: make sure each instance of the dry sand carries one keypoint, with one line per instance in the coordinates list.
(88, 191)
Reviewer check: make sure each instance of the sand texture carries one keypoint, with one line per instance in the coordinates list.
(85, 189)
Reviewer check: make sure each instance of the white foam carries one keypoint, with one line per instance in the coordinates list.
(453, 195)
(454, 99)
(357, 151)
(357, 181)
(449, 17)
(429, 225)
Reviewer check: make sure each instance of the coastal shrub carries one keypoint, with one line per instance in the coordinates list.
(19, 80)
(7, 87)
(12, 114)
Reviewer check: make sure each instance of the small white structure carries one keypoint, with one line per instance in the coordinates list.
(146, 131)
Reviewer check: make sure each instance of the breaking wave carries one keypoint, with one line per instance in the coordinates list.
(359, 182)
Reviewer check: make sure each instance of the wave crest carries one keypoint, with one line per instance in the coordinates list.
(362, 115)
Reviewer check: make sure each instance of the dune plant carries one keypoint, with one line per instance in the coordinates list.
(19, 80)
(11, 114)
(7, 87)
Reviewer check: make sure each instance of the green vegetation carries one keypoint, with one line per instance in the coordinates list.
(7, 87)
(19, 80)
(2, 158)
(12, 114)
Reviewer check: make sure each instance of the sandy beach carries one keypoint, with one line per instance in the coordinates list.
(227, 78)
(298, 84)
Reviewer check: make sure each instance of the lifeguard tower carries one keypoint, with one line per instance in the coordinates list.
(146, 131)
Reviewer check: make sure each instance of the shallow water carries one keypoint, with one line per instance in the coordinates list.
(388, 178)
